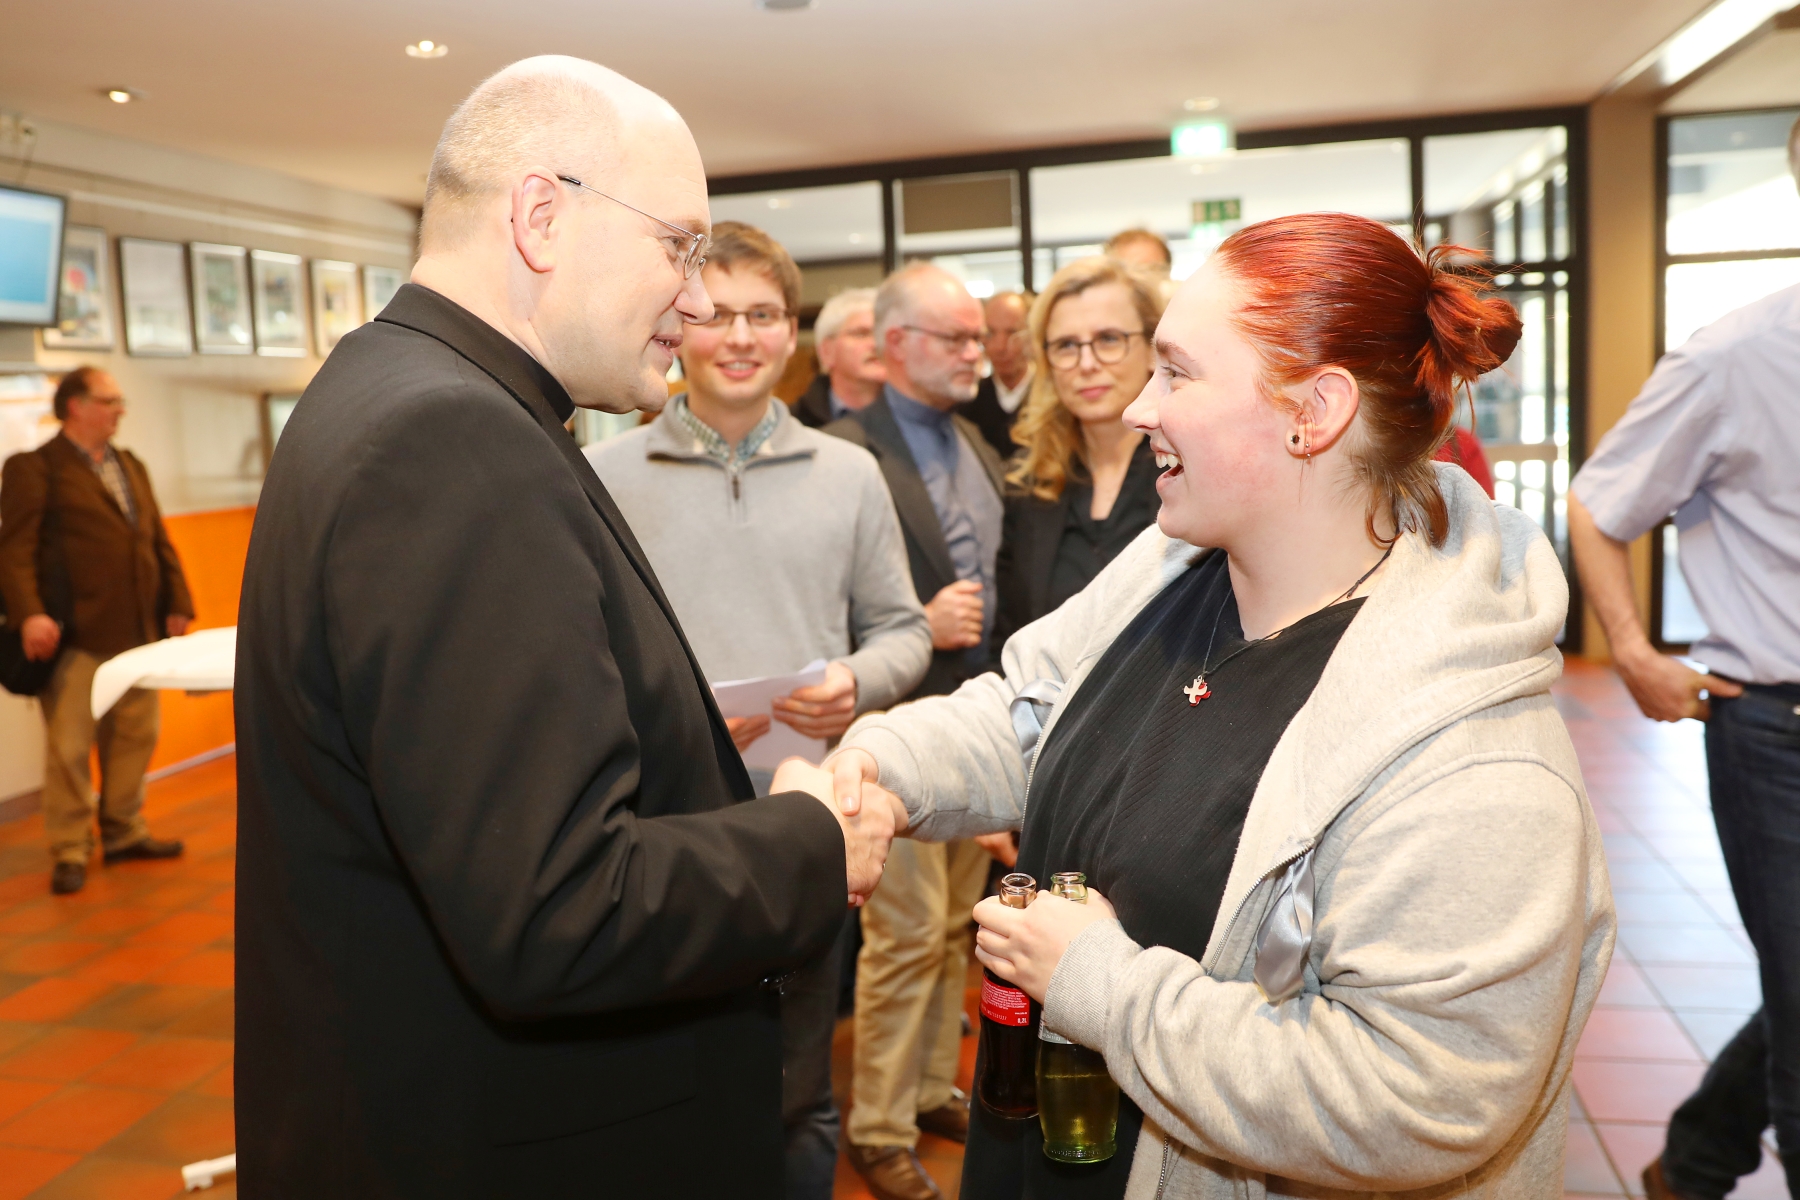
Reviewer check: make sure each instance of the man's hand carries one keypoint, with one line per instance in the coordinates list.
(867, 832)
(955, 616)
(1667, 689)
(1023, 946)
(824, 710)
(1001, 847)
(745, 730)
(176, 624)
(39, 636)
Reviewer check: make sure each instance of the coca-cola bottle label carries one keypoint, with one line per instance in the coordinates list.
(1004, 1005)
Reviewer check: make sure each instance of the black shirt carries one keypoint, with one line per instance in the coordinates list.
(1146, 793)
(1088, 545)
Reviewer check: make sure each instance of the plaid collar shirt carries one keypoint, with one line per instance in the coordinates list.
(112, 474)
(707, 439)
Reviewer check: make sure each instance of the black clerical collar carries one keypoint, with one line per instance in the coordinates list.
(428, 312)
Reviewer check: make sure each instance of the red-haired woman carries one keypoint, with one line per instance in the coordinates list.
(1301, 738)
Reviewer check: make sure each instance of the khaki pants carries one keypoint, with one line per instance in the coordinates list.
(909, 988)
(127, 736)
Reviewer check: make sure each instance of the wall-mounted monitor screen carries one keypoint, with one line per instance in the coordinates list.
(31, 237)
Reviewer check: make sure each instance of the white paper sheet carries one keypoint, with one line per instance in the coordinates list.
(751, 698)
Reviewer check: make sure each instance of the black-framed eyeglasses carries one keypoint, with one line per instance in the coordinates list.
(958, 342)
(692, 255)
(759, 316)
(1110, 346)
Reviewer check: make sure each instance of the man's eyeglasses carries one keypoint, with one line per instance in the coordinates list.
(1110, 346)
(691, 254)
(958, 342)
(763, 316)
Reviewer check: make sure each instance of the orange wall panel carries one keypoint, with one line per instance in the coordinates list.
(212, 546)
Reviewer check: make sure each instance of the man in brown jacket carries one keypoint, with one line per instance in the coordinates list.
(127, 589)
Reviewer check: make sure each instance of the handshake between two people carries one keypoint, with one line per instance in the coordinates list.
(869, 815)
(1022, 946)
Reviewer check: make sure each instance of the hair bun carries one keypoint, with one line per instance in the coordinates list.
(1473, 329)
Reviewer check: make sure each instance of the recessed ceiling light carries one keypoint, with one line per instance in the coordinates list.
(1200, 103)
(427, 49)
(120, 95)
(783, 5)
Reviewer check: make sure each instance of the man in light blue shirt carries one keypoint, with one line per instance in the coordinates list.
(1714, 438)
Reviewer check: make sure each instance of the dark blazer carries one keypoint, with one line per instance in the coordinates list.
(876, 430)
(501, 912)
(813, 407)
(995, 423)
(1034, 532)
(125, 576)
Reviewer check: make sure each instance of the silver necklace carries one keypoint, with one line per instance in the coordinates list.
(1200, 689)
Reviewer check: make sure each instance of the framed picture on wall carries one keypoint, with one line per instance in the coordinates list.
(379, 286)
(336, 304)
(153, 280)
(278, 295)
(221, 277)
(84, 312)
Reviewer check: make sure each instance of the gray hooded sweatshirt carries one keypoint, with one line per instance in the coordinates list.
(1417, 918)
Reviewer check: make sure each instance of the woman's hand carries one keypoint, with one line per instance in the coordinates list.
(1023, 946)
(853, 777)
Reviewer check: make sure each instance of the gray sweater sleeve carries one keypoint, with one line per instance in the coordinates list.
(887, 622)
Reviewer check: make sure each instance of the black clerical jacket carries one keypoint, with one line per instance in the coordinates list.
(503, 909)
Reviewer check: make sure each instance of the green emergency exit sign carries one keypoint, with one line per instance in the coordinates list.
(1217, 212)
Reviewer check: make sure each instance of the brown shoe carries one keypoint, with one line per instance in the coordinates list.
(949, 1120)
(67, 878)
(148, 848)
(892, 1172)
(1655, 1186)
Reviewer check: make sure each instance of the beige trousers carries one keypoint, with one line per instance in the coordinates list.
(127, 736)
(909, 988)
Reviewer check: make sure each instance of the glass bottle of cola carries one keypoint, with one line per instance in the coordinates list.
(1008, 1083)
(1078, 1102)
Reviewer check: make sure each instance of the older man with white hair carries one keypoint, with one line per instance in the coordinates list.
(850, 370)
(507, 924)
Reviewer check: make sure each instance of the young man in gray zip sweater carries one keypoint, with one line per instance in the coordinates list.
(777, 545)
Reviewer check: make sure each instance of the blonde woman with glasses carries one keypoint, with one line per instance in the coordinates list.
(1085, 485)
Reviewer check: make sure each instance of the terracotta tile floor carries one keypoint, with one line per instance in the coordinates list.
(115, 1005)
(1683, 978)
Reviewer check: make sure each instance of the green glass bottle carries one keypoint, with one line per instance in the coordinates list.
(1078, 1102)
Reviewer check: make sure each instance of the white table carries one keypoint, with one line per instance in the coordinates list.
(205, 661)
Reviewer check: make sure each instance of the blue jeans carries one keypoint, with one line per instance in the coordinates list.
(1753, 760)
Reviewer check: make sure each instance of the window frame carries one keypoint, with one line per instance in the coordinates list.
(1573, 119)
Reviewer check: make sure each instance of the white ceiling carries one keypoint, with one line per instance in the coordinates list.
(1764, 74)
(322, 90)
